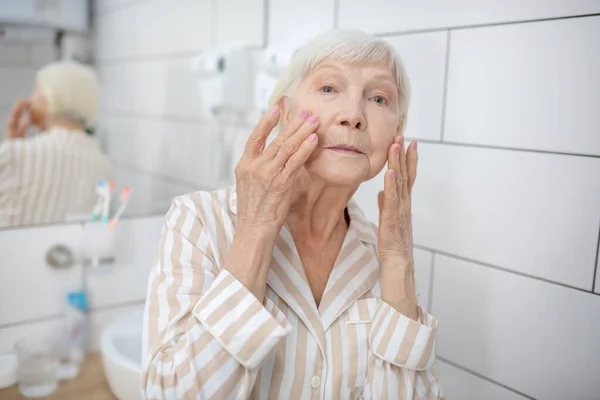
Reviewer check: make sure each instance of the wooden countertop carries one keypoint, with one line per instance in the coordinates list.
(90, 384)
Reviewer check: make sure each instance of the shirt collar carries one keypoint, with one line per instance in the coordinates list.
(366, 231)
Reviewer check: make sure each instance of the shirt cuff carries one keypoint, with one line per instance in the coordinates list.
(247, 329)
(402, 341)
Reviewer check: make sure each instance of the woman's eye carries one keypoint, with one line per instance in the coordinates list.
(327, 89)
(380, 100)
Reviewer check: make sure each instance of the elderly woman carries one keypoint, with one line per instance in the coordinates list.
(52, 176)
(279, 288)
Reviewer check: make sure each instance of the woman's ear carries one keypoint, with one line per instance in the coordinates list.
(285, 109)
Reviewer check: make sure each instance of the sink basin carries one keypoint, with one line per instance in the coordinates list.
(121, 348)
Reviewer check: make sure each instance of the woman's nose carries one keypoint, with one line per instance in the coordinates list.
(353, 117)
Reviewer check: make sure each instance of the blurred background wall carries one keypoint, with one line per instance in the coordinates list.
(507, 203)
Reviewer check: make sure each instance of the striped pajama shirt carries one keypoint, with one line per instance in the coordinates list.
(207, 337)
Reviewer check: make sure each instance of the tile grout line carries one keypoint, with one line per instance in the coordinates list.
(445, 89)
(55, 317)
(486, 146)
(485, 378)
(497, 268)
(266, 16)
(595, 276)
(336, 14)
(431, 277)
(484, 25)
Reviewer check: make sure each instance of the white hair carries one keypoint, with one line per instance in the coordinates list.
(351, 46)
(72, 91)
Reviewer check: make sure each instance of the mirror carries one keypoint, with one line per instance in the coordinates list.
(62, 155)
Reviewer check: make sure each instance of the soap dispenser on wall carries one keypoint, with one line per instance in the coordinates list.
(224, 86)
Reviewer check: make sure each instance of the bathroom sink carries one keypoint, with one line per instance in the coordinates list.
(121, 348)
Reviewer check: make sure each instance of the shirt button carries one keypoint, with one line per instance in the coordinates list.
(315, 382)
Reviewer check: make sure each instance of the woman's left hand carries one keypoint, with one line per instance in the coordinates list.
(395, 241)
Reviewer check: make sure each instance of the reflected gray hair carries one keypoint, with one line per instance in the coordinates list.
(350, 46)
(72, 91)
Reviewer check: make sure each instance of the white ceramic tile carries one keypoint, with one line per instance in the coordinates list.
(424, 56)
(98, 321)
(381, 16)
(529, 212)
(14, 54)
(43, 53)
(9, 336)
(157, 87)
(126, 280)
(240, 22)
(181, 150)
(154, 27)
(458, 384)
(507, 86)
(28, 287)
(423, 263)
(536, 337)
(16, 83)
(103, 6)
(597, 286)
(289, 19)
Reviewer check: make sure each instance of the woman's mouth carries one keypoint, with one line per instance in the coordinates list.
(345, 149)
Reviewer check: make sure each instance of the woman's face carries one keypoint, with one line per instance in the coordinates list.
(39, 106)
(358, 114)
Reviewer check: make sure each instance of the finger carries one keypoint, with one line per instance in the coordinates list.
(257, 139)
(290, 146)
(412, 158)
(17, 112)
(22, 129)
(289, 131)
(390, 194)
(298, 159)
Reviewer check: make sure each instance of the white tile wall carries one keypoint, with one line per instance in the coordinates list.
(29, 289)
(12, 54)
(530, 335)
(290, 19)
(186, 153)
(528, 212)
(597, 286)
(240, 22)
(532, 85)
(153, 27)
(42, 53)
(399, 16)
(155, 87)
(423, 270)
(98, 320)
(16, 82)
(424, 56)
(458, 384)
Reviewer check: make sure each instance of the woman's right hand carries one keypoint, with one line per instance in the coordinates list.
(16, 126)
(265, 179)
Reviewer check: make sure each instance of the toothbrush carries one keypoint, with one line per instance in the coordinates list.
(100, 189)
(105, 194)
(124, 199)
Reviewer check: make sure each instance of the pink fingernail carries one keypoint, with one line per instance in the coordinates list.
(303, 115)
(415, 145)
(313, 118)
(312, 137)
(392, 174)
(273, 110)
(398, 149)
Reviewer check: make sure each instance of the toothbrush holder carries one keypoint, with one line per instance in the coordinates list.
(99, 244)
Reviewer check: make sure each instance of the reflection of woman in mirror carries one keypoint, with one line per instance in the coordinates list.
(52, 176)
(279, 287)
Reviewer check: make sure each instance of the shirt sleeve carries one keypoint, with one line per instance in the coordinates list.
(205, 334)
(401, 341)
